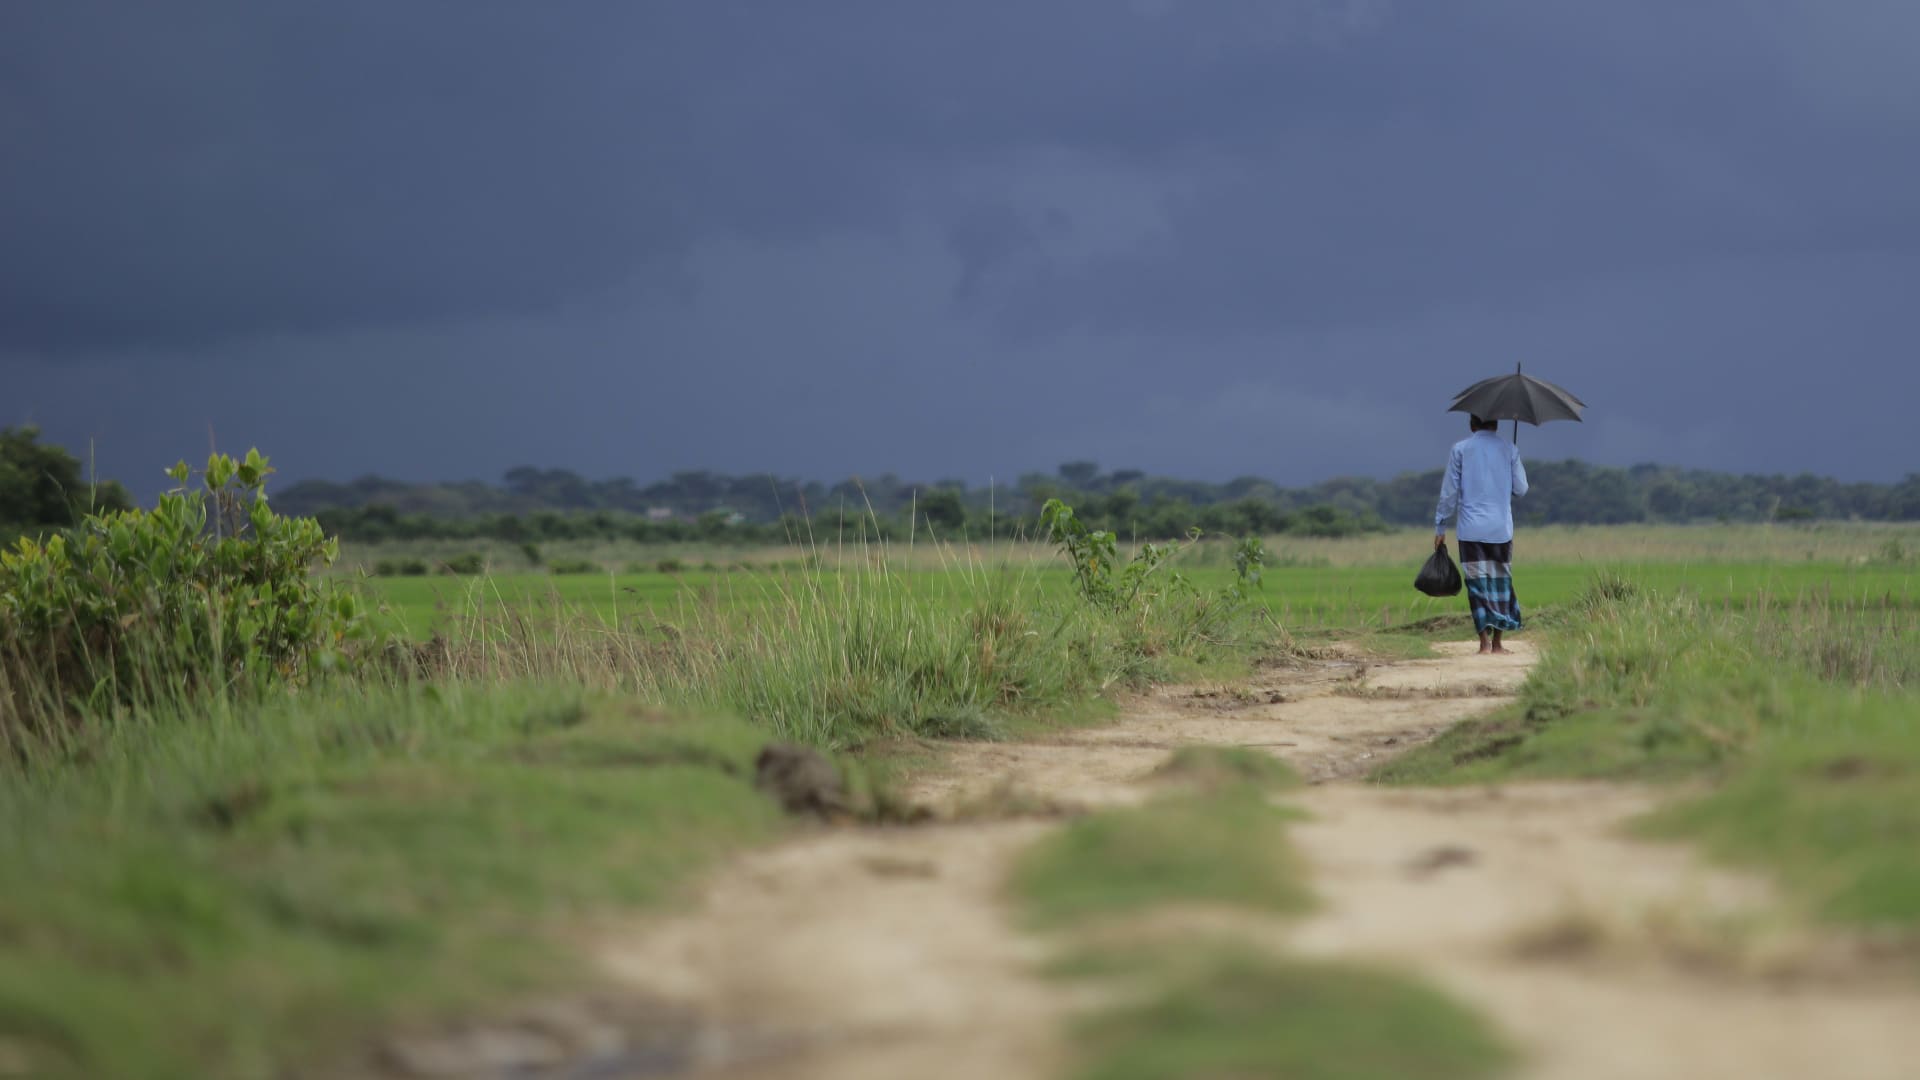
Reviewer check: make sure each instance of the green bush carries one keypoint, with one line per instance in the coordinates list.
(1333, 522)
(669, 566)
(210, 590)
(1156, 608)
(401, 568)
(467, 564)
(574, 566)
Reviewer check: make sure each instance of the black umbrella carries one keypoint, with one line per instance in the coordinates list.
(1518, 397)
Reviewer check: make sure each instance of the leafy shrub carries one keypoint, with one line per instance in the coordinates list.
(574, 566)
(210, 590)
(1249, 563)
(401, 568)
(467, 564)
(1158, 607)
(1091, 551)
(532, 551)
(1326, 520)
(1094, 552)
(669, 566)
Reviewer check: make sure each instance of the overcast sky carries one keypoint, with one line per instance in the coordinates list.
(1200, 237)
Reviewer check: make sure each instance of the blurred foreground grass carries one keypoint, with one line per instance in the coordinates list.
(224, 897)
(1214, 1009)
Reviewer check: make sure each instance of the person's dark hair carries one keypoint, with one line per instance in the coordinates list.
(1483, 425)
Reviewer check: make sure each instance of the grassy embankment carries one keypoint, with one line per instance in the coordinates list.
(219, 885)
(1803, 710)
(1193, 1004)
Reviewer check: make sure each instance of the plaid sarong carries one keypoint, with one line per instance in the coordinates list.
(1488, 570)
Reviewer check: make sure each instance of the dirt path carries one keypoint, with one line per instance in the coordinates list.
(888, 953)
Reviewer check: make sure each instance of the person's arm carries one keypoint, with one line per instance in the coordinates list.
(1519, 475)
(1449, 498)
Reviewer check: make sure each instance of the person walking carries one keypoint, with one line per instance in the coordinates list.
(1483, 476)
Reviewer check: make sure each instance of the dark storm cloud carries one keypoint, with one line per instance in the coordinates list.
(186, 173)
(178, 173)
(1218, 236)
(1453, 157)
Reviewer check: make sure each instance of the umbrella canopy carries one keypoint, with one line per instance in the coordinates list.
(1518, 397)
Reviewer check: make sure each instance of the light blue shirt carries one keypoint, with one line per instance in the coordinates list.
(1483, 474)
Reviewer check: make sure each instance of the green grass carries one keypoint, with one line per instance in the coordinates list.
(1806, 714)
(1227, 846)
(221, 898)
(1215, 1011)
(1834, 810)
(1300, 598)
(843, 659)
(1826, 542)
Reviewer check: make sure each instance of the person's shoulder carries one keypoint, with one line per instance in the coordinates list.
(1460, 447)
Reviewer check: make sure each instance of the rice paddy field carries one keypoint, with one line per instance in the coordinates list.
(1363, 583)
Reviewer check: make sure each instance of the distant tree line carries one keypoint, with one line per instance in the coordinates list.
(44, 487)
(555, 504)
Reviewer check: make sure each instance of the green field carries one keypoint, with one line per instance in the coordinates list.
(220, 878)
(1300, 597)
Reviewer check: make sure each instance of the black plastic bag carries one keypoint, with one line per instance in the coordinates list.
(1439, 577)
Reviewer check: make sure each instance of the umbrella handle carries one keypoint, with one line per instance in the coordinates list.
(1516, 423)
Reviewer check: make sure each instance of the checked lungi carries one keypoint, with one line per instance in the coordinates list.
(1488, 570)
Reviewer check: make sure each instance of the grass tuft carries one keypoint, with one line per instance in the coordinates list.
(1226, 846)
(1212, 767)
(1218, 1011)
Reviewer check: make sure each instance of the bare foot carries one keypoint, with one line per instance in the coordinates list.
(1497, 650)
